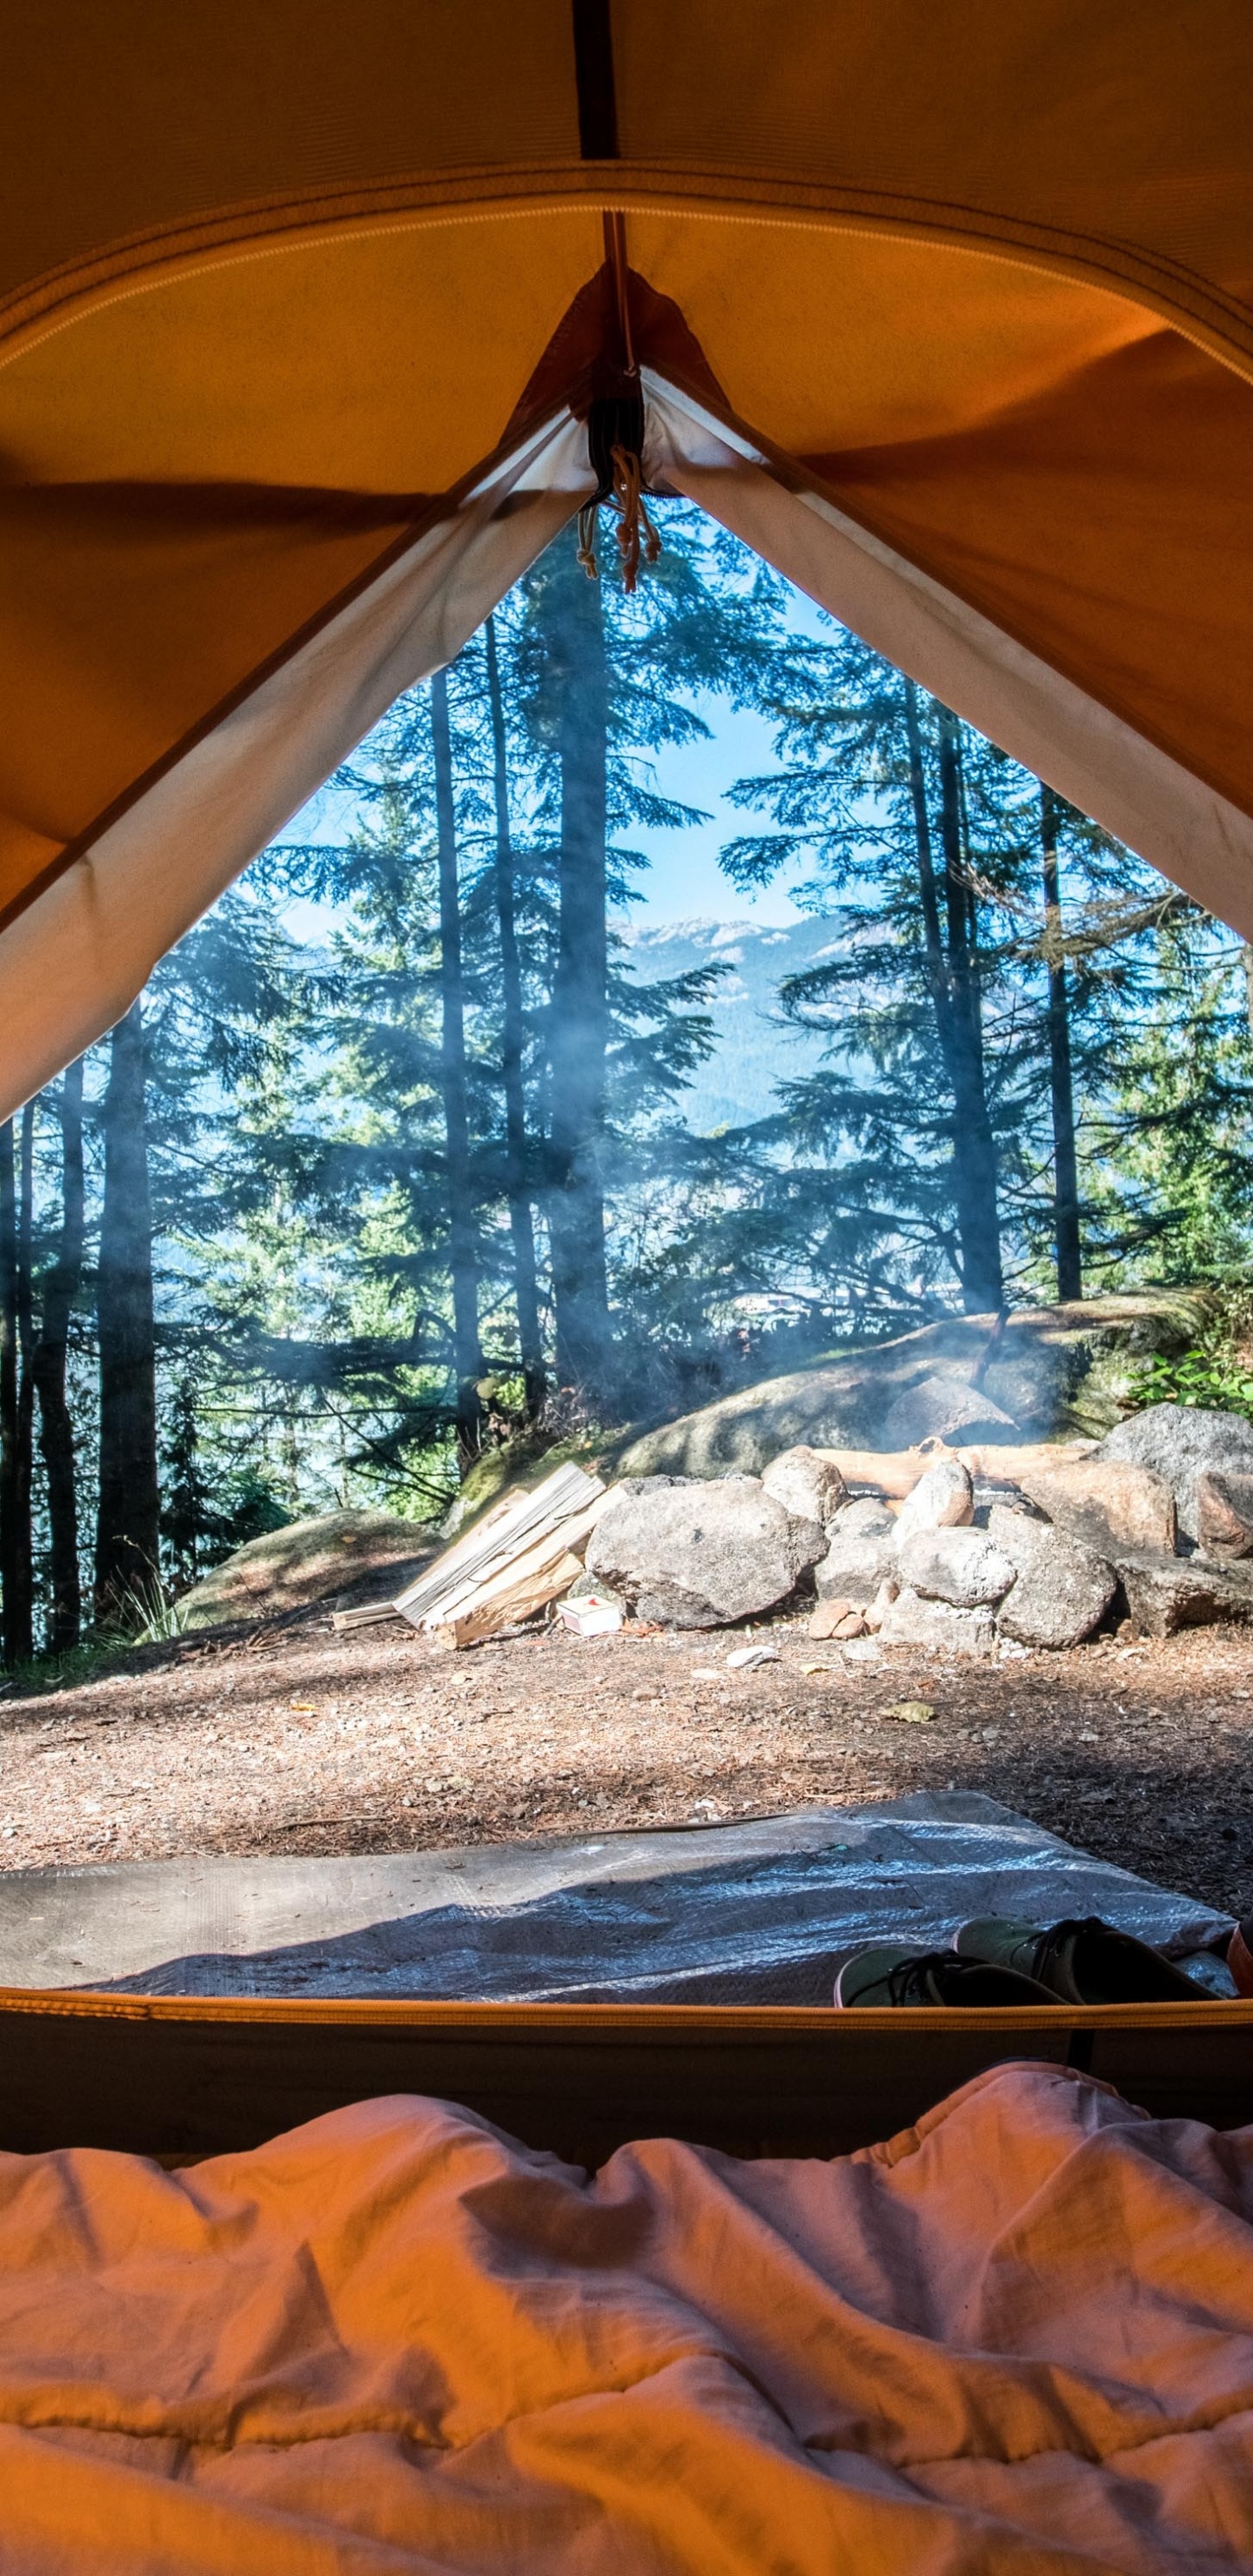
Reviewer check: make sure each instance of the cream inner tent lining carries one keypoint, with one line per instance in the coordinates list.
(73, 961)
(1197, 838)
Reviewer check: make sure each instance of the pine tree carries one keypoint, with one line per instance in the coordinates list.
(459, 1186)
(61, 1286)
(567, 619)
(605, 679)
(518, 1187)
(128, 1520)
(1170, 1169)
(1066, 1216)
(16, 1569)
(898, 1158)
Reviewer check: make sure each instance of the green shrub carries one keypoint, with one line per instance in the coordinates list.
(1214, 1371)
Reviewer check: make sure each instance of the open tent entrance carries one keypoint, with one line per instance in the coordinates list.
(946, 315)
(80, 937)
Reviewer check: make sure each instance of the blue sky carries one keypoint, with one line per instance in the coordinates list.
(685, 881)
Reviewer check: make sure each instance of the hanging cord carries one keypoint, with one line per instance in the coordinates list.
(634, 521)
(636, 533)
(615, 433)
(587, 539)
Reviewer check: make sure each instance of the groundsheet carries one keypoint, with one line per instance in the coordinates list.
(759, 1912)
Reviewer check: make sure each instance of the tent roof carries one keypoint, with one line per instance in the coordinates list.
(948, 307)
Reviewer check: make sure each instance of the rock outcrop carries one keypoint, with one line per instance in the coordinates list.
(311, 1560)
(1052, 1371)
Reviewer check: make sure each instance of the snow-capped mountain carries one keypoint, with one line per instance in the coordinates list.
(756, 1049)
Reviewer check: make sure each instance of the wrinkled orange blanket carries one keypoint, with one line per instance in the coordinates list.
(394, 2343)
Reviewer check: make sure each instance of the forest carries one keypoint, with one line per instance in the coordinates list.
(325, 1217)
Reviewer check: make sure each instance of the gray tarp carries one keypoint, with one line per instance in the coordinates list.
(725, 1914)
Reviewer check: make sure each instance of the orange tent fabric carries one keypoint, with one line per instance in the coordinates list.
(948, 307)
(1018, 2337)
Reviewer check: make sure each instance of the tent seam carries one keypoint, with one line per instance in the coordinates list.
(1142, 277)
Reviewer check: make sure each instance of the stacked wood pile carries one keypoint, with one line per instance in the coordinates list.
(524, 1553)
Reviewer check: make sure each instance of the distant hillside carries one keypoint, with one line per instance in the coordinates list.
(754, 1051)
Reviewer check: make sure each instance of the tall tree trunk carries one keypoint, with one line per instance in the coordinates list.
(1061, 1078)
(521, 1224)
(15, 1403)
(128, 1527)
(579, 1018)
(933, 936)
(49, 1369)
(974, 1148)
(463, 1248)
(26, 1374)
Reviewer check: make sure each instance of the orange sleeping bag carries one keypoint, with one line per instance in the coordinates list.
(393, 2343)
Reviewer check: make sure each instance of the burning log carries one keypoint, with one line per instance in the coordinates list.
(895, 1472)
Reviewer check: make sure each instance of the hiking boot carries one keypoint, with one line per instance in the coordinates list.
(1084, 1962)
(896, 1975)
(1240, 1956)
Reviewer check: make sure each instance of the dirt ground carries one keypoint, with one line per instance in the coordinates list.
(294, 1739)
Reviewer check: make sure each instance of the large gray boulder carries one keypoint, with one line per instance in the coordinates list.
(1062, 1589)
(1167, 1593)
(1179, 1442)
(944, 1408)
(697, 1554)
(963, 1566)
(937, 1626)
(807, 1484)
(861, 1555)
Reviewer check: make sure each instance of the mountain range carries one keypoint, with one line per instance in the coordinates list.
(755, 1048)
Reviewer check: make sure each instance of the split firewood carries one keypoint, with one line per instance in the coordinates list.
(496, 1541)
(513, 1600)
(558, 1515)
(537, 1557)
